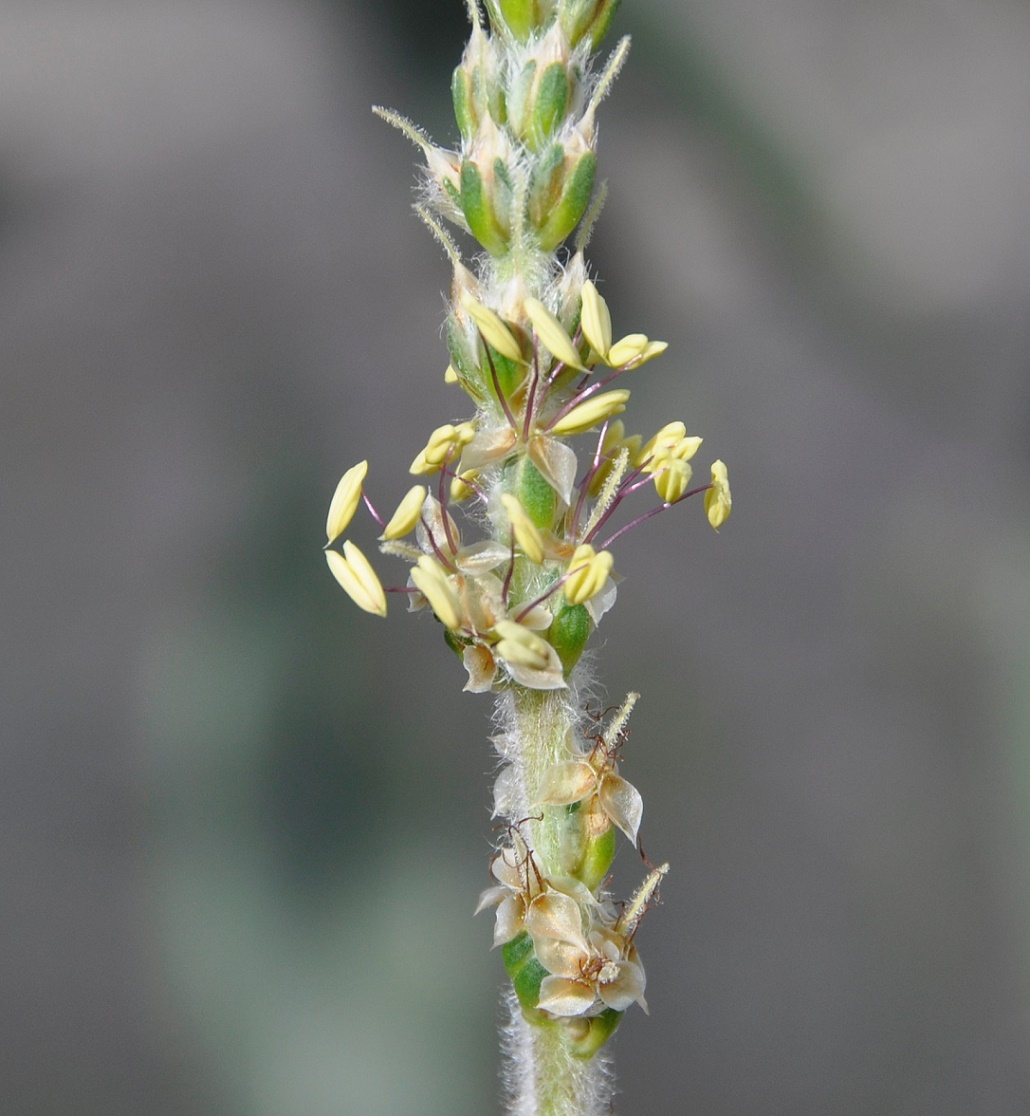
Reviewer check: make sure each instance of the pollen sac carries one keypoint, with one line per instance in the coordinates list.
(568, 634)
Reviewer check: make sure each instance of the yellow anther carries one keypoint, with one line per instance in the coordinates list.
(672, 479)
(406, 515)
(651, 350)
(420, 467)
(354, 573)
(345, 501)
(628, 348)
(661, 444)
(614, 439)
(494, 331)
(633, 350)
(521, 646)
(588, 573)
(717, 499)
(556, 340)
(595, 320)
(591, 412)
(445, 440)
(526, 533)
(432, 582)
(450, 376)
(461, 489)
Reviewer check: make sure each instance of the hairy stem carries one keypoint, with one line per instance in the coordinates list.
(542, 1074)
(543, 1078)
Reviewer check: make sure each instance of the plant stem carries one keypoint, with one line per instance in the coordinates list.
(544, 1078)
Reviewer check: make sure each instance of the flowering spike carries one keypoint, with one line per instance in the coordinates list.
(529, 341)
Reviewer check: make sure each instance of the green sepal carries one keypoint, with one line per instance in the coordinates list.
(504, 193)
(568, 634)
(454, 195)
(519, 94)
(469, 375)
(546, 184)
(494, 98)
(510, 374)
(598, 858)
(586, 1036)
(479, 213)
(549, 106)
(522, 17)
(524, 970)
(456, 644)
(603, 21)
(575, 197)
(593, 17)
(464, 104)
(535, 494)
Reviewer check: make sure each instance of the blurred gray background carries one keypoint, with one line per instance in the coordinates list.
(243, 826)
